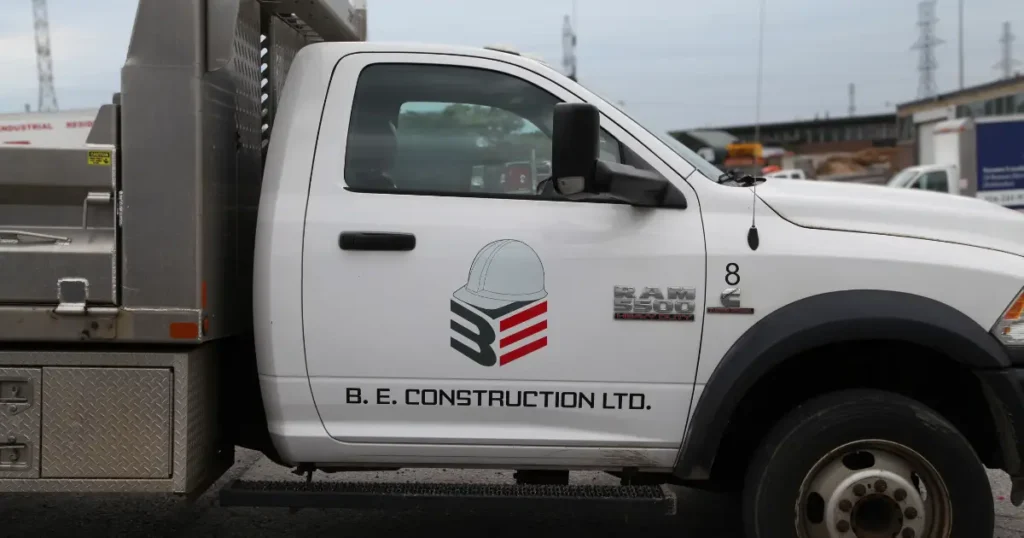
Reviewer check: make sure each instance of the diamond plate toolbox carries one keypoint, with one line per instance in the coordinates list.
(107, 423)
(20, 390)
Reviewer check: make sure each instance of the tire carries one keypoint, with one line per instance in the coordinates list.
(787, 474)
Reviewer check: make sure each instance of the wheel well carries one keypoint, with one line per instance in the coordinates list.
(909, 369)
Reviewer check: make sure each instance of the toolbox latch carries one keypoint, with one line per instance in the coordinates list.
(14, 455)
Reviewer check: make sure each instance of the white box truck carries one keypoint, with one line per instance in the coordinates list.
(66, 128)
(980, 157)
(267, 258)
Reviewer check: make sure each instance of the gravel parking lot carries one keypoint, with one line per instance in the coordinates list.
(701, 515)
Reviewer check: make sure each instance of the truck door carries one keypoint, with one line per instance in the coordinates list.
(442, 310)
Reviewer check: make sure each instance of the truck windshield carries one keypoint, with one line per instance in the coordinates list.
(709, 170)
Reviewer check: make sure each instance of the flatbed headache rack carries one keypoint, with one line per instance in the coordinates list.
(145, 234)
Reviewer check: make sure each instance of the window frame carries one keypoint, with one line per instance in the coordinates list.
(340, 99)
(444, 192)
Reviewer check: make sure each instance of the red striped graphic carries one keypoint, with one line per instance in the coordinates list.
(525, 333)
(521, 352)
(524, 316)
(516, 322)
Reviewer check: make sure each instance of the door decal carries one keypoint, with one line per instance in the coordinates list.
(501, 311)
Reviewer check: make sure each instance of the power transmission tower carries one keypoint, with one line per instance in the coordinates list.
(853, 103)
(44, 60)
(569, 48)
(926, 43)
(1008, 62)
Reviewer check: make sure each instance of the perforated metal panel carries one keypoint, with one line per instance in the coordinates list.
(246, 75)
(285, 36)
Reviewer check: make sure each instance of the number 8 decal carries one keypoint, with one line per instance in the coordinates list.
(732, 274)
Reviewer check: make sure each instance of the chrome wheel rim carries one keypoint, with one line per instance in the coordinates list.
(873, 489)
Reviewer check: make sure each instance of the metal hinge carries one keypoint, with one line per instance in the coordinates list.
(119, 208)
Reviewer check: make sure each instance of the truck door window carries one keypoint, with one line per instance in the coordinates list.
(937, 181)
(446, 130)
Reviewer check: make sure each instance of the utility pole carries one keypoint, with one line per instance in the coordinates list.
(569, 44)
(926, 43)
(960, 43)
(760, 67)
(1008, 62)
(362, 23)
(44, 59)
(853, 103)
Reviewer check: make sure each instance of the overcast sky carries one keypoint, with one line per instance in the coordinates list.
(674, 63)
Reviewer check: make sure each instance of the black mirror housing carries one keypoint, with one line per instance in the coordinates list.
(578, 173)
(575, 147)
(641, 188)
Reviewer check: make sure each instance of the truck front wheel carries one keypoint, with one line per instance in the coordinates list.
(866, 464)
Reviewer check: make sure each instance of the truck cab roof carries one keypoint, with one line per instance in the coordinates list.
(490, 52)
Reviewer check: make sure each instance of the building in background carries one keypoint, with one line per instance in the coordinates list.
(916, 120)
(856, 148)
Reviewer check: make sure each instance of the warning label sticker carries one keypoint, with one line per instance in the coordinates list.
(99, 158)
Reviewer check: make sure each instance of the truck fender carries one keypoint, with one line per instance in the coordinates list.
(828, 318)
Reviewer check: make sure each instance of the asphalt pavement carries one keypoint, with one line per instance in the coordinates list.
(701, 514)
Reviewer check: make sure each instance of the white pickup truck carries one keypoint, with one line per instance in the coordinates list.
(929, 177)
(790, 173)
(850, 358)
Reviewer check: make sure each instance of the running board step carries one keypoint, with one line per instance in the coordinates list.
(641, 501)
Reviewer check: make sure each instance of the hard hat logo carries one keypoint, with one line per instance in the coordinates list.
(504, 272)
(504, 301)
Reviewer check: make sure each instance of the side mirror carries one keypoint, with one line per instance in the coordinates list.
(576, 171)
(575, 146)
